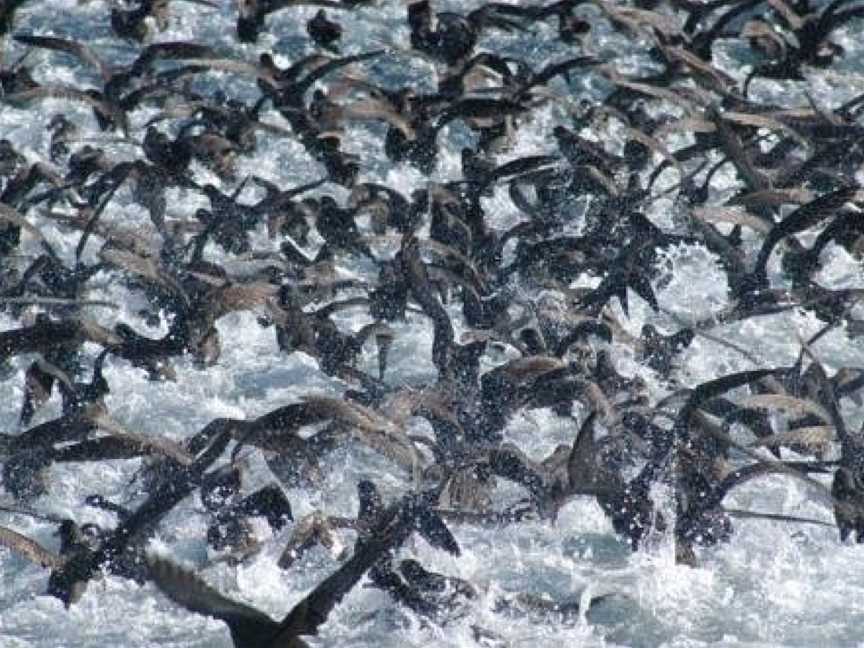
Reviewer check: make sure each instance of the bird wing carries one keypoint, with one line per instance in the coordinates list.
(24, 97)
(158, 444)
(582, 459)
(312, 611)
(226, 65)
(29, 549)
(16, 218)
(76, 49)
(511, 463)
(170, 50)
(248, 626)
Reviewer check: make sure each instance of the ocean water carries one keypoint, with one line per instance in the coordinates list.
(774, 584)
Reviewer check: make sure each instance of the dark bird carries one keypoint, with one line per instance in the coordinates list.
(324, 32)
(74, 542)
(253, 13)
(451, 37)
(132, 23)
(250, 628)
(119, 94)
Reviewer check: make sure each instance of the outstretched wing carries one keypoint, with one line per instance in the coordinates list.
(29, 549)
(79, 50)
(393, 526)
(248, 626)
(312, 611)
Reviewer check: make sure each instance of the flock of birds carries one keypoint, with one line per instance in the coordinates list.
(435, 255)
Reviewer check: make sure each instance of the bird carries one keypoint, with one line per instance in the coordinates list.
(324, 32)
(250, 627)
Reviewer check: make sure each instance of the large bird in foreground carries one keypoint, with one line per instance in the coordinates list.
(251, 628)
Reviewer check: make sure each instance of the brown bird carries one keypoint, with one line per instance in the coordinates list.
(64, 582)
